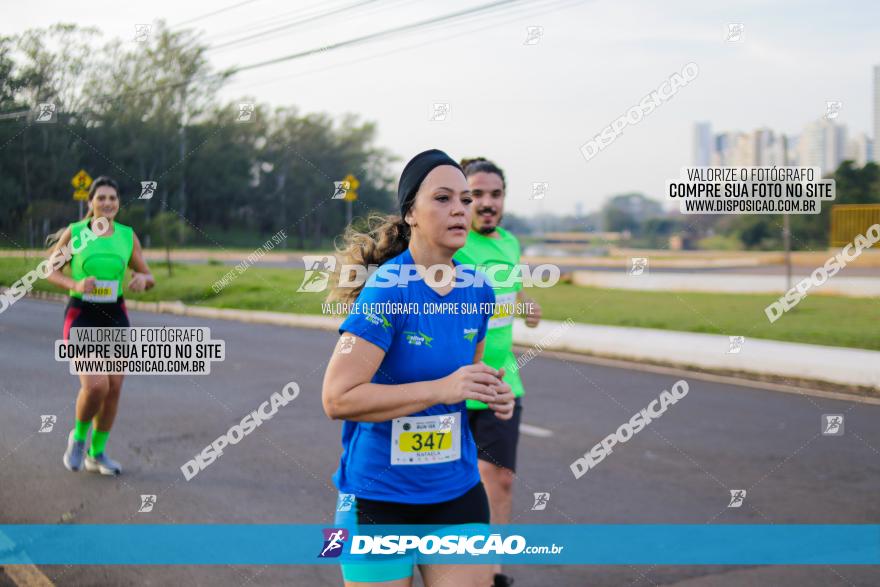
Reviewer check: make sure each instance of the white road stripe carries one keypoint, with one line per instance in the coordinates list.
(535, 431)
(27, 576)
(23, 575)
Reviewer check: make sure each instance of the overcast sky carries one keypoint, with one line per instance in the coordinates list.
(531, 107)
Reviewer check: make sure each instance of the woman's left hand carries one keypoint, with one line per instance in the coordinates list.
(140, 282)
(504, 400)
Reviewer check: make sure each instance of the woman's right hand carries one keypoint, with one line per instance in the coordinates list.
(85, 285)
(470, 382)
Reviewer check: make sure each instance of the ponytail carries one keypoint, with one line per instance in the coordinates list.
(385, 238)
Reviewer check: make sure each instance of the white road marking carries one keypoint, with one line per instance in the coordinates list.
(535, 431)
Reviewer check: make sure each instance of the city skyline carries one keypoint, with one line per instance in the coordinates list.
(821, 143)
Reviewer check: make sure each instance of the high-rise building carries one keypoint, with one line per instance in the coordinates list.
(780, 153)
(702, 145)
(811, 145)
(823, 145)
(770, 148)
(744, 152)
(721, 155)
(859, 149)
(876, 112)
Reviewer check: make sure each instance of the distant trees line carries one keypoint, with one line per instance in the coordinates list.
(148, 111)
(649, 226)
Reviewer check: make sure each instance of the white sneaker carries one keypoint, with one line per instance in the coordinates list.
(102, 464)
(73, 456)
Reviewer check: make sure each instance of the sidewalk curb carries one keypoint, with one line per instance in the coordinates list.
(770, 285)
(598, 341)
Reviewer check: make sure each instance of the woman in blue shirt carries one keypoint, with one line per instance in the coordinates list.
(399, 379)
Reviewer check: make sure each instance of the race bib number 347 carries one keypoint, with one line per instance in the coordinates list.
(425, 440)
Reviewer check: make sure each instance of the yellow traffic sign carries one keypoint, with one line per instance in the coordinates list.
(353, 184)
(82, 195)
(82, 180)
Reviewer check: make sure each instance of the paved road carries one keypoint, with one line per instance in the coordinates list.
(678, 470)
(797, 272)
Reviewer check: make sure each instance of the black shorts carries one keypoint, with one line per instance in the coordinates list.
(496, 439)
(80, 314)
(470, 508)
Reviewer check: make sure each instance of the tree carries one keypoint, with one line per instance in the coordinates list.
(148, 111)
(629, 212)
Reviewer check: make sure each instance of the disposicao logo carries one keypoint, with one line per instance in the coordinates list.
(317, 275)
(334, 540)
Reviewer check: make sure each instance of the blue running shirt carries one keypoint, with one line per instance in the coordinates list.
(418, 347)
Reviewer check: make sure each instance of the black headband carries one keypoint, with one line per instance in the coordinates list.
(415, 172)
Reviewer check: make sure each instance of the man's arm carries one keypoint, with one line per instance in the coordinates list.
(533, 309)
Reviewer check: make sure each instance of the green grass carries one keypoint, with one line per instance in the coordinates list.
(834, 321)
(826, 320)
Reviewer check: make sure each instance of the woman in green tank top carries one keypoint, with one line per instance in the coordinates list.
(103, 250)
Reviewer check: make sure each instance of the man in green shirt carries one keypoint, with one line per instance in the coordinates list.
(489, 246)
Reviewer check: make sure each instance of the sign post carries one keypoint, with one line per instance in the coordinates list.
(350, 195)
(81, 182)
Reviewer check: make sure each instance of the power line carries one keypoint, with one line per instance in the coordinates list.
(262, 34)
(373, 36)
(265, 22)
(209, 14)
(512, 17)
(235, 69)
(355, 41)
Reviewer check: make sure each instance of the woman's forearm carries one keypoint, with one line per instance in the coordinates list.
(61, 280)
(373, 402)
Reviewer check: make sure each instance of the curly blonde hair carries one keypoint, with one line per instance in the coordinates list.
(385, 237)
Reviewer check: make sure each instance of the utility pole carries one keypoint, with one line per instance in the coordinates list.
(786, 238)
(182, 157)
(351, 195)
(280, 180)
(165, 236)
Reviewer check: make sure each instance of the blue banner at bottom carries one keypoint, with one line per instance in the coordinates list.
(296, 544)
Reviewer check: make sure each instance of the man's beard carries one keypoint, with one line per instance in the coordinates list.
(487, 230)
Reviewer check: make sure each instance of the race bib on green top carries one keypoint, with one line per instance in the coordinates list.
(503, 316)
(105, 291)
(425, 440)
